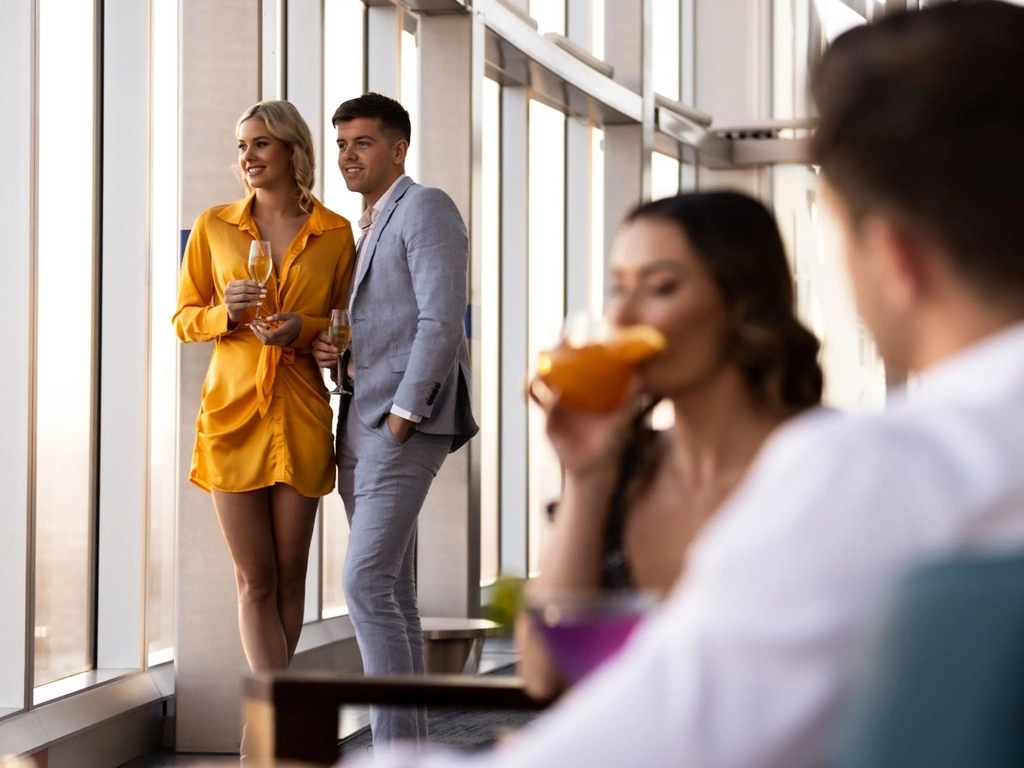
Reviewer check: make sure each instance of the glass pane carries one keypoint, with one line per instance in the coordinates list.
(343, 80)
(490, 340)
(665, 43)
(664, 176)
(837, 17)
(546, 265)
(597, 244)
(549, 15)
(854, 373)
(65, 319)
(597, 28)
(163, 380)
(411, 98)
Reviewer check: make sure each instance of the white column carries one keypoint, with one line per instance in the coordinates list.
(514, 327)
(450, 131)
(16, 222)
(124, 361)
(220, 77)
(578, 182)
(627, 164)
(273, 41)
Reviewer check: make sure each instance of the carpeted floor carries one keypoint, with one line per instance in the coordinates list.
(456, 728)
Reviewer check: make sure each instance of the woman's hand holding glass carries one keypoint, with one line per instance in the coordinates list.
(240, 296)
(587, 435)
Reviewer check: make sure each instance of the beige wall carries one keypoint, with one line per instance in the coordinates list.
(220, 77)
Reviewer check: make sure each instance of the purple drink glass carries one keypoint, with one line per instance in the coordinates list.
(581, 632)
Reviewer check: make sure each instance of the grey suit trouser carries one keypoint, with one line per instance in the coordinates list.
(383, 485)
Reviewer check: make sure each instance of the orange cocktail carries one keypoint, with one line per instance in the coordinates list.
(595, 376)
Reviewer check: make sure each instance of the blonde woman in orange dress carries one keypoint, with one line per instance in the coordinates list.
(264, 448)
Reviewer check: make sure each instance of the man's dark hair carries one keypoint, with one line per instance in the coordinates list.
(394, 120)
(922, 114)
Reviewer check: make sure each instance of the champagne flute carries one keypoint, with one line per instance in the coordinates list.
(260, 267)
(341, 336)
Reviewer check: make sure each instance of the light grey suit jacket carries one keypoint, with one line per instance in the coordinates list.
(408, 315)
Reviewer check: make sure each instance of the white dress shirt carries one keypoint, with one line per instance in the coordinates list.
(367, 222)
(749, 661)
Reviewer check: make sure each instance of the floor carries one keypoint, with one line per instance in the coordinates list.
(498, 652)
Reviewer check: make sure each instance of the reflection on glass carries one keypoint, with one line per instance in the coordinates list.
(665, 43)
(490, 341)
(546, 268)
(163, 389)
(65, 318)
(343, 80)
(411, 98)
(549, 15)
(664, 176)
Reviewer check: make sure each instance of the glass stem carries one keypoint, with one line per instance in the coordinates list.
(341, 385)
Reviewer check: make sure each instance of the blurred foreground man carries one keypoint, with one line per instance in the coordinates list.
(921, 146)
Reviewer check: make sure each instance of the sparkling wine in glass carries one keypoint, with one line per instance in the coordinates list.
(341, 336)
(260, 267)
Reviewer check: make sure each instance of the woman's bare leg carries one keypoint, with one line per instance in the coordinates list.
(292, 517)
(245, 520)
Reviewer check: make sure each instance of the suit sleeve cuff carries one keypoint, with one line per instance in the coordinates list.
(407, 415)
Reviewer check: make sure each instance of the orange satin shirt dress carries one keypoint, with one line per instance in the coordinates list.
(265, 415)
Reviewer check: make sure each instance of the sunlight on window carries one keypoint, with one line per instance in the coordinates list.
(597, 244)
(65, 334)
(411, 99)
(664, 176)
(837, 17)
(665, 45)
(549, 15)
(489, 335)
(343, 80)
(163, 379)
(546, 265)
(597, 28)
(854, 373)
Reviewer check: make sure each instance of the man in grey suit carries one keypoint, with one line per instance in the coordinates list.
(409, 372)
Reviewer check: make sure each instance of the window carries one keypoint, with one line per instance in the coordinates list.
(410, 56)
(546, 266)
(163, 392)
(664, 176)
(854, 372)
(343, 80)
(65, 341)
(490, 337)
(549, 15)
(665, 43)
(597, 242)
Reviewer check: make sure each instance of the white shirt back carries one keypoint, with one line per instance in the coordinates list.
(749, 661)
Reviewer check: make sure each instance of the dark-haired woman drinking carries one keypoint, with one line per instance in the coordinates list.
(709, 271)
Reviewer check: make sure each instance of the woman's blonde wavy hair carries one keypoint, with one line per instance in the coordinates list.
(285, 124)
